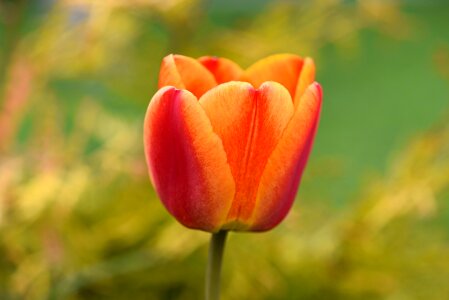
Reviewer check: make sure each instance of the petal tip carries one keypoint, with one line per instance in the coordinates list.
(317, 85)
(318, 90)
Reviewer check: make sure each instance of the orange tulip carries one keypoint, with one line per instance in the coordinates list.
(226, 147)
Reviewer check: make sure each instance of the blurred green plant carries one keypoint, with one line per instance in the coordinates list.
(78, 218)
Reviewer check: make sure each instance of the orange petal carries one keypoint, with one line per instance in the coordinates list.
(282, 68)
(306, 78)
(187, 73)
(281, 177)
(250, 123)
(186, 160)
(223, 69)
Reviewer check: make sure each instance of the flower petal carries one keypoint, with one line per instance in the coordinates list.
(281, 177)
(250, 123)
(306, 78)
(282, 68)
(186, 159)
(187, 73)
(223, 69)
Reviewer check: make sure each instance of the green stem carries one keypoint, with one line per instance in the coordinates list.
(216, 248)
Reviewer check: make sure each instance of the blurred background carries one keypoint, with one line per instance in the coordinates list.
(80, 220)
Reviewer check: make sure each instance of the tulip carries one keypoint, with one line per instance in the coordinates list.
(226, 147)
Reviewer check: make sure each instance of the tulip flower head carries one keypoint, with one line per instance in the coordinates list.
(226, 147)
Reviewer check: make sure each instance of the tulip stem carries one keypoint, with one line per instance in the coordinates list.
(216, 248)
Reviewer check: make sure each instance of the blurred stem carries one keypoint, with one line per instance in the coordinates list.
(216, 249)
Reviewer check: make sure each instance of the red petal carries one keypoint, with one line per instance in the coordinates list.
(281, 177)
(187, 73)
(223, 69)
(250, 123)
(186, 160)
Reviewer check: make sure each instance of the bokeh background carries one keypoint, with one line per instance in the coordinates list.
(80, 220)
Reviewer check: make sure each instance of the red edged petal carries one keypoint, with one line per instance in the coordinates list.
(186, 160)
(250, 123)
(187, 73)
(223, 69)
(281, 177)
